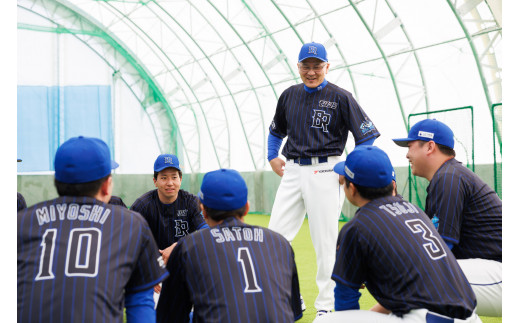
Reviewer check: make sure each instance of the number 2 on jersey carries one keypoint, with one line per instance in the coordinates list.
(244, 257)
(83, 249)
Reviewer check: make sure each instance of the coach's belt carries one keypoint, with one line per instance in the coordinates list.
(310, 161)
(432, 317)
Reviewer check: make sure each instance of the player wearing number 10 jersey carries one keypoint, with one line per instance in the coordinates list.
(79, 258)
(232, 271)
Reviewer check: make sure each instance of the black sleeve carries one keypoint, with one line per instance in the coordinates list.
(295, 297)
(175, 302)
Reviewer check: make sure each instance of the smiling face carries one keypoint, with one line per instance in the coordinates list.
(417, 153)
(168, 183)
(313, 71)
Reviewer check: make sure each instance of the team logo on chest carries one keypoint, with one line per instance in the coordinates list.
(321, 119)
(181, 228)
(328, 104)
(182, 212)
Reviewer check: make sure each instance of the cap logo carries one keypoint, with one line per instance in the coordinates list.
(313, 50)
(168, 160)
(425, 134)
(349, 172)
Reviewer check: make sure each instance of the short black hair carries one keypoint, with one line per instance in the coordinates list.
(371, 193)
(80, 189)
(444, 149)
(155, 174)
(219, 215)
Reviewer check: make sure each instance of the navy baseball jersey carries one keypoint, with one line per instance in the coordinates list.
(317, 124)
(392, 246)
(469, 212)
(170, 222)
(116, 200)
(233, 272)
(20, 202)
(77, 257)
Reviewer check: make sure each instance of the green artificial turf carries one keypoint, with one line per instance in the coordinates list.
(306, 263)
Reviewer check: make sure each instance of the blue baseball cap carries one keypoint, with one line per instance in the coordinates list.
(367, 166)
(313, 49)
(426, 130)
(165, 161)
(223, 190)
(83, 159)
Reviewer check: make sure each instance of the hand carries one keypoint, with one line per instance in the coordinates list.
(278, 165)
(166, 252)
(157, 288)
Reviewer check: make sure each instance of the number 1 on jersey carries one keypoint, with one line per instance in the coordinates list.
(244, 257)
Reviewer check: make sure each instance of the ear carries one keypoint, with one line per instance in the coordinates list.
(155, 181)
(431, 147)
(327, 69)
(105, 191)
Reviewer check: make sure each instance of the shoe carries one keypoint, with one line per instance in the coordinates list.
(322, 312)
(303, 304)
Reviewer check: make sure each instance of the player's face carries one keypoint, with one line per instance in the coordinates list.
(417, 157)
(312, 71)
(168, 183)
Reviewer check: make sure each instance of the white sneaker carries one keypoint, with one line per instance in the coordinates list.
(303, 304)
(322, 312)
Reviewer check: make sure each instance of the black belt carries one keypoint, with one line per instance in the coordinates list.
(437, 318)
(308, 161)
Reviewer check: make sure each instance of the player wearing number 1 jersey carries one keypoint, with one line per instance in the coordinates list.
(392, 247)
(81, 259)
(232, 271)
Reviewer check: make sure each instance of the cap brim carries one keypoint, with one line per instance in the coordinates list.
(402, 142)
(340, 168)
(114, 164)
(163, 168)
(311, 56)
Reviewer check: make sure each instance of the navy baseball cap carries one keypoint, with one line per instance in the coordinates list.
(165, 161)
(313, 49)
(83, 159)
(426, 130)
(367, 166)
(223, 190)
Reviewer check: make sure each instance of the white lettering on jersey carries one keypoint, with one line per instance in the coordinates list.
(321, 119)
(237, 234)
(73, 211)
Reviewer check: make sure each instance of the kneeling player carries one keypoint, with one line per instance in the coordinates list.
(231, 272)
(393, 248)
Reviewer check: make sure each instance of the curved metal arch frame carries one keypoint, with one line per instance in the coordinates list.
(128, 70)
(458, 13)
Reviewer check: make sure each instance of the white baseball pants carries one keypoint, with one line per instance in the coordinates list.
(315, 190)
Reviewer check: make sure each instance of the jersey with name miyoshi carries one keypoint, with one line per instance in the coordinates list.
(170, 222)
(78, 257)
(393, 247)
(469, 212)
(233, 272)
(317, 124)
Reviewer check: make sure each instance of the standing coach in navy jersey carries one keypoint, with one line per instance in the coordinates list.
(81, 259)
(467, 212)
(232, 272)
(316, 117)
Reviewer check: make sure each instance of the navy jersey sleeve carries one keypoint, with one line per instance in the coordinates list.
(446, 202)
(349, 269)
(358, 122)
(149, 269)
(174, 303)
(279, 124)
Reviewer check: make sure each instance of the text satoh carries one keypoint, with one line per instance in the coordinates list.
(237, 234)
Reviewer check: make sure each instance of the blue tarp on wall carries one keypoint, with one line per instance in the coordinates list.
(49, 115)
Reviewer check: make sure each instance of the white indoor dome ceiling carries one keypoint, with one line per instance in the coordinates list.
(208, 73)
